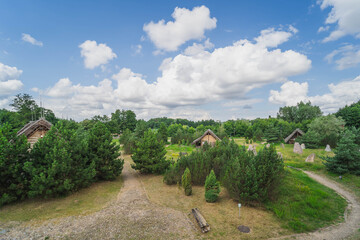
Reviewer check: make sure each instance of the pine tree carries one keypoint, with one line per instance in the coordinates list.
(149, 155)
(347, 156)
(186, 182)
(212, 187)
(13, 155)
(163, 135)
(105, 153)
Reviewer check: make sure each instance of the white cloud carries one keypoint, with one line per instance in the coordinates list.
(137, 49)
(187, 25)
(187, 81)
(323, 29)
(345, 57)
(273, 38)
(96, 54)
(344, 13)
(341, 94)
(242, 102)
(28, 38)
(198, 48)
(8, 80)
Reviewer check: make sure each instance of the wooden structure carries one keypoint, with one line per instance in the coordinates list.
(35, 130)
(204, 226)
(291, 138)
(209, 137)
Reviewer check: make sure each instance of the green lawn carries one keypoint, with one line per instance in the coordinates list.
(303, 204)
(173, 150)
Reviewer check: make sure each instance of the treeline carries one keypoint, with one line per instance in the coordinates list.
(66, 159)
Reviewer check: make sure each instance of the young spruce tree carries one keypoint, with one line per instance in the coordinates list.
(212, 187)
(186, 182)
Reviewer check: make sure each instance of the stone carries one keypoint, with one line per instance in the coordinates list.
(327, 149)
(250, 148)
(243, 229)
(310, 158)
(282, 145)
(253, 149)
(303, 146)
(297, 148)
(280, 155)
(268, 145)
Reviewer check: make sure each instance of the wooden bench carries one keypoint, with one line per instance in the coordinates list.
(204, 226)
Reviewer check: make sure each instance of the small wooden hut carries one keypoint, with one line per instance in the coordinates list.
(291, 138)
(35, 130)
(209, 137)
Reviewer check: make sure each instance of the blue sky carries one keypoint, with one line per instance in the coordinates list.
(190, 59)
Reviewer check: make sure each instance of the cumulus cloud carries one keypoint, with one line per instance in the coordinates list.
(189, 80)
(187, 25)
(345, 92)
(28, 38)
(96, 54)
(198, 48)
(344, 13)
(8, 80)
(345, 57)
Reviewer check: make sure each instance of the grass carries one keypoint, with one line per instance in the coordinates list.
(304, 205)
(173, 150)
(222, 216)
(85, 201)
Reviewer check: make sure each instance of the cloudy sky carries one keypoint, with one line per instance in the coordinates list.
(188, 59)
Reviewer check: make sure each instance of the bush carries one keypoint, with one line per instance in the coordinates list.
(347, 156)
(311, 140)
(212, 188)
(186, 182)
(149, 155)
(171, 175)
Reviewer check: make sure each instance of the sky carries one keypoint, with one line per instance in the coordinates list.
(181, 59)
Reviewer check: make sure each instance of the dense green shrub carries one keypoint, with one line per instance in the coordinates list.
(186, 182)
(149, 155)
(347, 156)
(311, 139)
(172, 175)
(212, 187)
(162, 133)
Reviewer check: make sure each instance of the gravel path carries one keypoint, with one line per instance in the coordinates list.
(339, 231)
(130, 216)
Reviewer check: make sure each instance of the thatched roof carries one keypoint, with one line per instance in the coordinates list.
(293, 133)
(206, 133)
(31, 127)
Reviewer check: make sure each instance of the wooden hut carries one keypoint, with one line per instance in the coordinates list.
(208, 137)
(291, 138)
(35, 130)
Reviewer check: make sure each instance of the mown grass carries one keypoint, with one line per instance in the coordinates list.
(303, 204)
(173, 150)
(85, 201)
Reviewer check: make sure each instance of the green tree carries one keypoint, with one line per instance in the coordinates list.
(347, 156)
(351, 114)
(186, 182)
(149, 155)
(212, 187)
(328, 128)
(258, 134)
(104, 152)
(162, 133)
(13, 155)
(301, 112)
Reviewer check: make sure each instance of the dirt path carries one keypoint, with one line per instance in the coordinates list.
(130, 216)
(339, 231)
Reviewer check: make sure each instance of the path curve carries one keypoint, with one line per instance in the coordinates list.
(339, 231)
(130, 216)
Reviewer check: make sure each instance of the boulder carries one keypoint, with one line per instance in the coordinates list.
(327, 149)
(303, 146)
(250, 148)
(310, 158)
(268, 145)
(297, 148)
(280, 155)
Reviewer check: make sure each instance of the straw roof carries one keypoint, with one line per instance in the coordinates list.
(32, 126)
(293, 133)
(206, 133)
